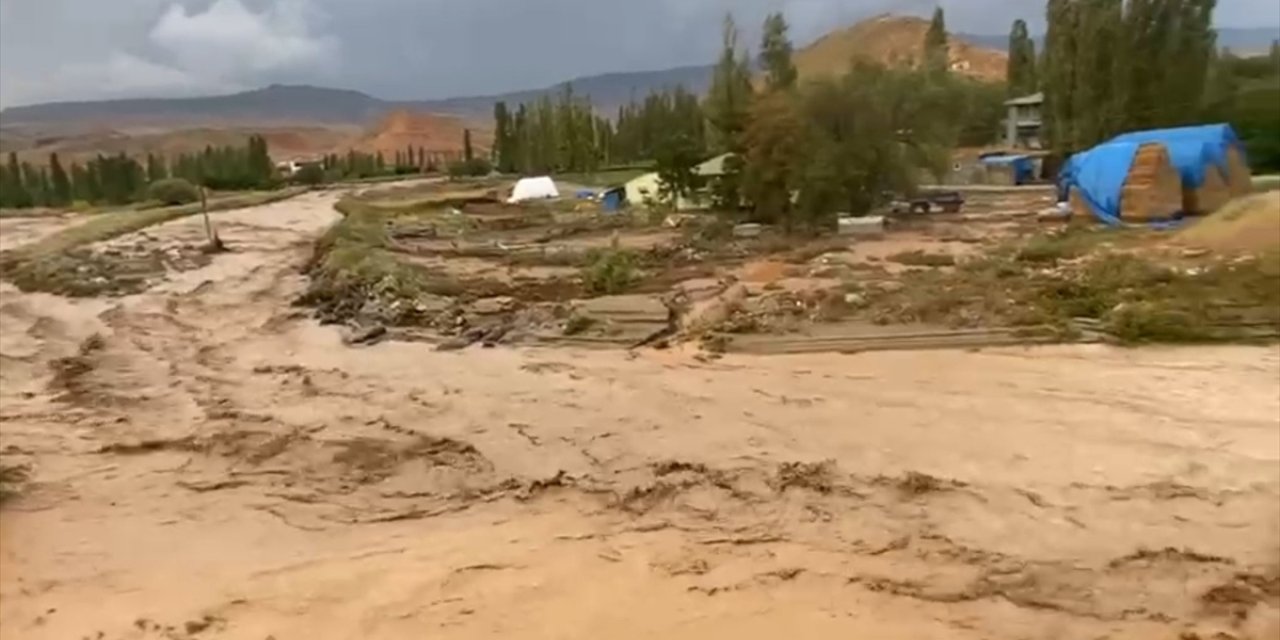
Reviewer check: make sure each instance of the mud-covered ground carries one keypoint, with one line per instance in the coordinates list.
(205, 461)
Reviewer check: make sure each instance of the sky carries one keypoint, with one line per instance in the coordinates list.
(52, 50)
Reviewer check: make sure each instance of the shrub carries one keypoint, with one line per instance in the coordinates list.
(173, 191)
(310, 174)
(472, 167)
(611, 272)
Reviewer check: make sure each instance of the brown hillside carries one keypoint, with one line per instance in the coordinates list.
(284, 142)
(893, 40)
(435, 133)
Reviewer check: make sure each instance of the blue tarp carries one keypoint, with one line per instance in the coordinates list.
(1024, 169)
(1217, 138)
(612, 199)
(1099, 175)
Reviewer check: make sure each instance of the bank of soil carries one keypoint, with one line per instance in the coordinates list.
(206, 461)
(449, 264)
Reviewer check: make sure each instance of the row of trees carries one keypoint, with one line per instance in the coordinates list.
(797, 154)
(1111, 66)
(549, 135)
(1114, 65)
(120, 179)
(835, 144)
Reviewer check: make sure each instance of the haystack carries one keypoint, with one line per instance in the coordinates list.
(1153, 190)
(1239, 178)
(1210, 196)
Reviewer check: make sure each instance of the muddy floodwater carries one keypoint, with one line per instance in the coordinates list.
(206, 461)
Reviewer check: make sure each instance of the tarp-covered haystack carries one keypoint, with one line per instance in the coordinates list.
(1124, 182)
(1223, 146)
(1204, 189)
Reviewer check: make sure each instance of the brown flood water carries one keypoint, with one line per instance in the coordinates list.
(216, 465)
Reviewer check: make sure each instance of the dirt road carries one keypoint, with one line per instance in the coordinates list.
(207, 462)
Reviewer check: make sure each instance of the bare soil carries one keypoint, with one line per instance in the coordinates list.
(205, 461)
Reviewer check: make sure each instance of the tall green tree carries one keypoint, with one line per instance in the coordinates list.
(504, 141)
(1058, 73)
(156, 169)
(776, 145)
(677, 156)
(14, 187)
(1021, 73)
(467, 152)
(729, 98)
(60, 184)
(776, 54)
(937, 53)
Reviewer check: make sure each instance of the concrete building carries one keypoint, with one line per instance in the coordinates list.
(1025, 122)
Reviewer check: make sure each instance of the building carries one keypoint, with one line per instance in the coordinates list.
(1025, 121)
(645, 191)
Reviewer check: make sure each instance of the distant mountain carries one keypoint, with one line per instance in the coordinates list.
(277, 103)
(318, 105)
(607, 91)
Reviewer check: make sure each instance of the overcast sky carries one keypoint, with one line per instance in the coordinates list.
(88, 49)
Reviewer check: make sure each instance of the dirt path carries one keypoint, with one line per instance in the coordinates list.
(210, 463)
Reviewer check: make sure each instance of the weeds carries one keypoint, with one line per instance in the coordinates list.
(611, 272)
(1137, 299)
(920, 258)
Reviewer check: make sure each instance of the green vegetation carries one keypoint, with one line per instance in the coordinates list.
(920, 258)
(173, 191)
(565, 135)
(937, 54)
(611, 272)
(1021, 72)
(119, 180)
(473, 167)
(1054, 281)
(352, 265)
(1112, 66)
(607, 177)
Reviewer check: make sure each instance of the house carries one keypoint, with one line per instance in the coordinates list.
(1024, 123)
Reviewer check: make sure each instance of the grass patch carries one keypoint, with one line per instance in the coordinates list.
(352, 267)
(611, 272)
(920, 258)
(602, 179)
(1135, 298)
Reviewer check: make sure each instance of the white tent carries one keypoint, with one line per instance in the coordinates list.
(533, 189)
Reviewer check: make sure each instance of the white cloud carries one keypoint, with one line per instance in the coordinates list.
(228, 40)
(120, 75)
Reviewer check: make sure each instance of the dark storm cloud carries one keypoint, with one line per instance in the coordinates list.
(79, 49)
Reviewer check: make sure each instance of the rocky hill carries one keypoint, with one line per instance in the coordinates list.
(894, 40)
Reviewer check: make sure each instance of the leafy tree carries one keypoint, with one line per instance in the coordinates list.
(310, 174)
(467, 152)
(776, 142)
(504, 142)
(14, 188)
(937, 54)
(173, 191)
(156, 169)
(1058, 77)
(677, 158)
(1021, 74)
(60, 183)
(729, 98)
(775, 55)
